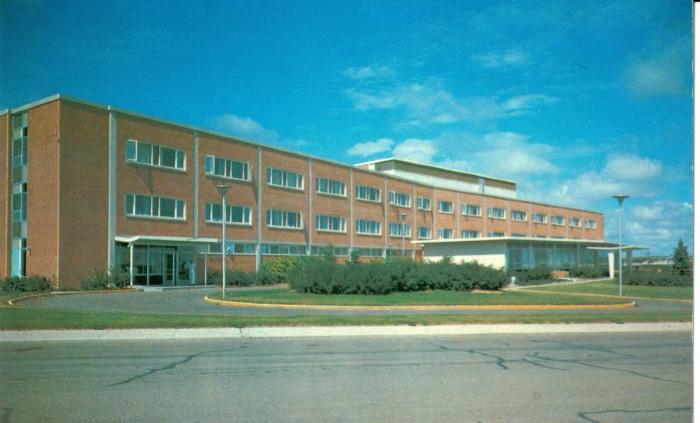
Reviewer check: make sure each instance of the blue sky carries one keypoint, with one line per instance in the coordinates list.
(575, 101)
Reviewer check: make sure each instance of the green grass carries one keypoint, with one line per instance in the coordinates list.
(287, 296)
(612, 288)
(17, 318)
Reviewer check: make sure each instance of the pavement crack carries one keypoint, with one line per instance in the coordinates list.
(499, 361)
(170, 366)
(586, 415)
(596, 366)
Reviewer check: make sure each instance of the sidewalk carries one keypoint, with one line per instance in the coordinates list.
(335, 331)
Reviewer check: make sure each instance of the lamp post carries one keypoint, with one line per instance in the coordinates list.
(403, 234)
(620, 199)
(223, 189)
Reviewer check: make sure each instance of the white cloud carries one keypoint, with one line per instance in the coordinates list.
(245, 127)
(502, 59)
(512, 155)
(430, 103)
(368, 72)
(659, 224)
(664, 73)
(622, 174)
(630, 167)
(416, 149)
(369, 148)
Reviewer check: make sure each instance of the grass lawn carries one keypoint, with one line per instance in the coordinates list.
(287, 296)
(17, 318)
(612, 288)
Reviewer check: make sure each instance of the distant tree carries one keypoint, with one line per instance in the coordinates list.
(681, 259)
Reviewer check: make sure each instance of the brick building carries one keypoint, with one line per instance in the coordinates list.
(88, 186)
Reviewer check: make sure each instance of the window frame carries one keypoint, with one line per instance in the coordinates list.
(342, 220)
(451, 208)
(209, 212)
(213, 173)
(393, 196)
(155, 207)
(358, 232)
(420, 203)
(441, 233)
(465, 210)
(285, 178)
(180, 156)
(513, 212)
(493, 209)
(329, 183)
(359, 188)
(285, 218)
(404, 230)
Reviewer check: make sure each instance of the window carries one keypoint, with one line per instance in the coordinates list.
(283, 219)
(591, 224)
(400, 199)
(234, 247)
(285, 178)
(283, 249)
(497, 213)
(518, 215)
(158, 207)
(322, 250)
(226, 168)
(368, 227)
(539, 218)
(400, 230)
(370, 252)
(330, 187)
(471, 210)
(496, 234)
(470, 234)
(444, 233)
(330, 223)
(423, 232)
(366, 193)
(154, 155)
(236, 215)
(423, 203)
(516, 235)
(574, 222)
(557, 220)
(445, 206)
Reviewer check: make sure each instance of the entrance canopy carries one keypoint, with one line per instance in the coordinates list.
(162, 240)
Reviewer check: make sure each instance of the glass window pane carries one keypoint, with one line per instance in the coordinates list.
(167, 207)
(167, 157)
(131, 150)
(143, 205)
(144, 153)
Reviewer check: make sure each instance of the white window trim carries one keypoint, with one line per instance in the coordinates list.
(151, 217)
(270, 184)
(418, 203)
(358, 232)
(465, 208)
(138, 163)
(214, 175)
(537, 222)
(424, 237)
(524, 219)
(218, 222)
(330, 194)
(441, 231)
(408, 235)
(343, 231)
(563, 222)
(452, 207)
(408, 206)
(496, 217)
(379, 197)
(289, 228)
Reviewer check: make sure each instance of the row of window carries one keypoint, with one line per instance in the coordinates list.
(166, 157)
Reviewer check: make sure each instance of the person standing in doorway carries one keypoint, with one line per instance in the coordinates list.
(192, 270)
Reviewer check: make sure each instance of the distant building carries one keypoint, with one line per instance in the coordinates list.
(89, 186)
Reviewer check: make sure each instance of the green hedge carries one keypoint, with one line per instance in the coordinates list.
(321, 275)
(531, 276)
(588, 272)
(657, 279)
(28, 284)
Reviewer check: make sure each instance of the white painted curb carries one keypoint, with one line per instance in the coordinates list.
(335, 331)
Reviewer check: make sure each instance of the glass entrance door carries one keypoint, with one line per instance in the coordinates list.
(170, 266)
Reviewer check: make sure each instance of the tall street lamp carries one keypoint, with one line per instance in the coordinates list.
(223, 189)
(620, 199)
(403, 234)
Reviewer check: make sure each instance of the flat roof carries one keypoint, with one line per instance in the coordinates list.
(432, 166)
(255, 143)
(601, 244)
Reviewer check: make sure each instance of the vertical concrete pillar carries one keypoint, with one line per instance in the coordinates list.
(259, 206)
(111, 190)
(611, 265)
(195, 185)
(310, 226)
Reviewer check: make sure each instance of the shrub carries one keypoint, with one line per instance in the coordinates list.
(531, 276)
(588, 272)
(276, 270)
(101, 279)
(657, 279)
(319, 276)
(681, 260)
(28, 284)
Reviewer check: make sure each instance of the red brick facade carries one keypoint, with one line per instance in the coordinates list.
(68, 147)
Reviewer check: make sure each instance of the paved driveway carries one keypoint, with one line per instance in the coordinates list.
(190, 301)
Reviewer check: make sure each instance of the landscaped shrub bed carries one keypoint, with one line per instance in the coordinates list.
(321, 275)
(534, 276)
(100, 279)
(666, 278)
(588, 273)
(28, 284)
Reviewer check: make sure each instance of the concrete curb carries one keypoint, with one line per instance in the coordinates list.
(242, 304)
(625, 297)
(52, 293)
(336, 331)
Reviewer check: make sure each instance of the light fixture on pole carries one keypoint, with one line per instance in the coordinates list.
(223, 189)
(403, 233)
(620, 199)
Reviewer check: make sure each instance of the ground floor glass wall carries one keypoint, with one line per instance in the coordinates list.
(158, 265)
(552, 256)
